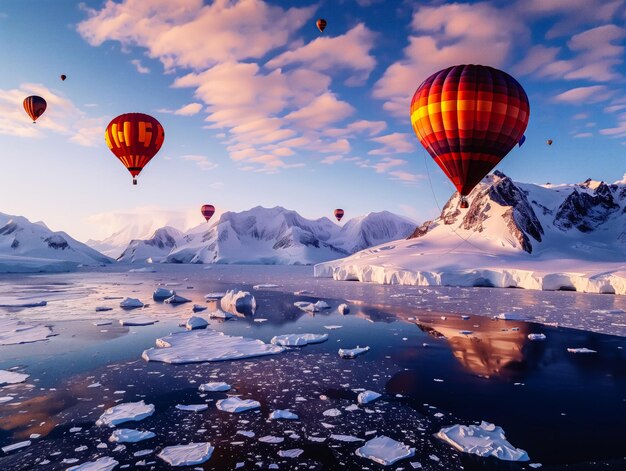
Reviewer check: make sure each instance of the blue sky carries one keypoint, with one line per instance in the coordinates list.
(259, 108)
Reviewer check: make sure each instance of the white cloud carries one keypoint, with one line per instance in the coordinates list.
(189, 110)
(394, 143)
(585, 95)
(201, 161)
(140, 68)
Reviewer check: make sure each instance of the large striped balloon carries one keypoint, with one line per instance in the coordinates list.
(35, 106)
(134, 138)
(469, 117)
(339, 213)
(207, 211)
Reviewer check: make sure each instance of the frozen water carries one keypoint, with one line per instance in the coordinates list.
(293, 453)
(199, 308)
(367, 396)
(131, 303)
(385, 450)
(536, 336)
(128, 435)
(195, 322)
(238, 302)
(266, 285)
(343, 309)
(483, 440)
(581, 350)
(187, 455)
(283, 414)
(346, 438)
(210, 296)
(512, 316)
(176, 299)
(298, 340)
(219, 314)
(192, 407)
(16, 446)
(161, 294)
(10, 377)
(352, 352)
(126, 412)
(14, 332)
(236, 405)
(137, 320)
(106, 463)
(214, 387)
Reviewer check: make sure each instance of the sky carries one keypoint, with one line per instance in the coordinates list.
(260, 108)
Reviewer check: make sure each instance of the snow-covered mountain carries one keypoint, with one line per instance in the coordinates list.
(268, 236)
(116, 243)
(27, 246)
(512, 234)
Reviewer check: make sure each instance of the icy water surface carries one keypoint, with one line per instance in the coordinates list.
(566, 410)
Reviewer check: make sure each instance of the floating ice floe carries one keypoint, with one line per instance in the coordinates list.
(206, 345)
(138, 321)
(129, 435)
(302, 292)
(214, 387)
(14, 332)
(235, 405)
(238, 302)
(385, 450)
(10, 377)
(131, 303)
(176, 299)
(16, 446)
(311, 307)
(219, 314)
(106, 463)
(332, 327)
(195, 322)
(161, 294)
(343, 309)
(581, 350)
(536, 336)
(103, 308)
(298, 340)
(25, 304)
(214, 296)
(266, 285)
(192, 407)
(260, 320)
(512, 316)
(187, 455)
(331, 413)
(279, 414)
(346, 438)
(352, 352)
(293, 453)
(4, 399)
(198, 308)
(126, 412)
(483, 440)
(367, 396)
(271, 439)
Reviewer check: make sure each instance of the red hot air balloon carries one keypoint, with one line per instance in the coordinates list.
(35, 106)
(321, 24)
(63, 77)
(207, 211)
(134, 138)
(469, 117)
(339, 214)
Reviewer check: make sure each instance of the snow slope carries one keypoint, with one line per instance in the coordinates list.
(268, 236)
(549, 237)
(32, 247)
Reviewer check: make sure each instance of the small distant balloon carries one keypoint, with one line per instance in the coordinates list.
(521, 141)
(134, 138)
(339, 214)
(321, 24)
(63, 77)
(35, 106)
(207, 211)
(549, 142)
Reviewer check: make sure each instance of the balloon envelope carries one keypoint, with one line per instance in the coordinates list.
(63, 77)
(321, 24)
(469, 117)
(549, 142)
(35, 106)
(339, 214)
(207, 211)
(134, 138)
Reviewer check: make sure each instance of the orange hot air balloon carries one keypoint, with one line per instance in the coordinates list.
(469, 117)
(549, 142)
(63, 77)
(134, 138)
(321, 24)
(35, 106)
(339, 213)
(207, 211)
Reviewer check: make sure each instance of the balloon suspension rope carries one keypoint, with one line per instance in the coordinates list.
(463, 240)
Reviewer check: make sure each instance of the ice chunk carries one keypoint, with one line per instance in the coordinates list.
(138, 321)
(206, 345)
(10, 377)
(331, 413)
(352, 352)
(161, 294)
(195, 322)
(343, 309)
(384, 450)
(293, 453)
(483, 440)
(187, 455)
(333, 327)
(346, 438)
(106, 463)
(271, 439)
(130, 303)
(198, 308)
(581, 350)
(235, 405)
(322, 305)
(103, 308)
(214, 296)
(298, 340)
(367, 396)
(4, 399)
(512, 316)
(219, 314)
(126, 412)
(283, 414)
(192, 407)
(25, 304)
(129, 435)
(266, 285)
(306, 306)
(238, 302)
(176, 299)
(536, 336)
(214, 387)
(142, 270)
(14, 332)
(16, 446)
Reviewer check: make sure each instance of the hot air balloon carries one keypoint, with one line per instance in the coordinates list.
(134, 138)
(207, 211)
(339, 214)
(63, 77)
(468, 117)
(549, 142)
(35, 106)
(521, 141)
(321, 24)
